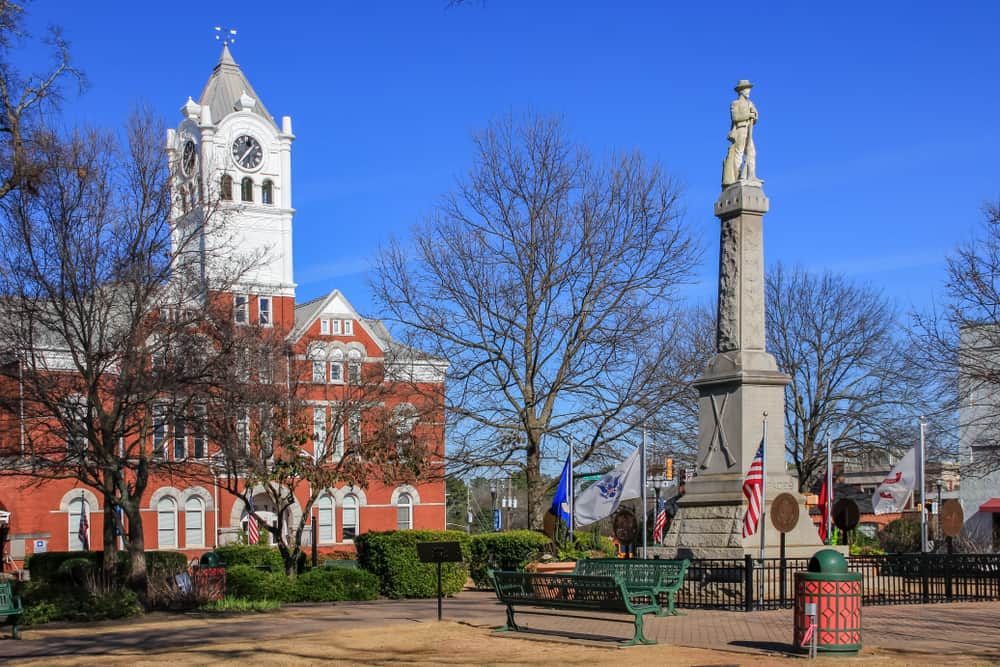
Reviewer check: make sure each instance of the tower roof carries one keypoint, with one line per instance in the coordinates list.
(224, 88)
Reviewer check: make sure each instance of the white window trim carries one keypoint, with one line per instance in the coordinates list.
(335, 327)
(348, 327)
(270, 310)
(319, 432)
(243, 308)
(73, 523)
(324, 327)
(409, 511)
(159, 530)
(332, 538)
(200, 512)
(339, 366)
(357, 516)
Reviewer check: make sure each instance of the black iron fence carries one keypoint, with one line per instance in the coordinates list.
(747, 584)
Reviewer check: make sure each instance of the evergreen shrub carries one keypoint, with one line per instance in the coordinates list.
(392, 557)
(246, 581)
(252, 555)
(504, 551)
(333, 585)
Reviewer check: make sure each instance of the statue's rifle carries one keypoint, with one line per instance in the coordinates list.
(746, 148)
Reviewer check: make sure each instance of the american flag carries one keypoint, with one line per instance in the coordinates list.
(661, 521)
(752, 487)
(253, 533)
(84, 527)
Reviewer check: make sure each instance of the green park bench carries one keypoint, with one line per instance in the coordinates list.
(663, 577)
(10, 607)
(573, 592)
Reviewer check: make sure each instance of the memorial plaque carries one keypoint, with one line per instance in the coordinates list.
(784, 512)
(845, 514)
(549, 524)
(952, 518)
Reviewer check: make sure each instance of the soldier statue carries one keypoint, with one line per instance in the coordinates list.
(741, 160)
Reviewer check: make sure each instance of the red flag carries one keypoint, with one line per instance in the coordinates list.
(824, 509)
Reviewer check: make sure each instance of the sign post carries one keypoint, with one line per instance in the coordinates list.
(439, 552)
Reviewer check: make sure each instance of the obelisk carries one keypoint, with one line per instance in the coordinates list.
(742, 382)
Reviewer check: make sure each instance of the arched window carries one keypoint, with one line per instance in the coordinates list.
(350, 518)
(267, 193)
(404, 512)
(166, 524)
(324, 519)
(194, 523)
(246, 189)
(79, 525)
(226, 188)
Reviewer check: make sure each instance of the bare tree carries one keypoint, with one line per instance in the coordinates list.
(960, 348)
(101, 318)
(547, 279)
(851, 380)
(281, 432)
(25, 135)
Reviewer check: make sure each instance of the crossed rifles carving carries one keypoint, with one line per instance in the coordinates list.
(718, 435)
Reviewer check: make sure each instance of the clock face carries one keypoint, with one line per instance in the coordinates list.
(188, 158)
(247, 152)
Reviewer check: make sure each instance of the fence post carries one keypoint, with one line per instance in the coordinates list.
(947, 577)
(925, 584)
(747, 582)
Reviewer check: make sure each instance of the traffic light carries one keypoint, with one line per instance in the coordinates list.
(670, 469)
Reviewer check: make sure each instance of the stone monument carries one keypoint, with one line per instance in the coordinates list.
(742, 381)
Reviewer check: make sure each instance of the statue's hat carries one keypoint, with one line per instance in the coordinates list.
(743, 85)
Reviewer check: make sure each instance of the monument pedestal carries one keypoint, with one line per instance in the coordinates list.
(741, 385)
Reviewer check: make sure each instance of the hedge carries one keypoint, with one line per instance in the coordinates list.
(392, 557)
(47, 566)
(244, 581)
(252, 555)
(504, 551)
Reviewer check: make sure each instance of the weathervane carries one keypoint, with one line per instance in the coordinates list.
(227, 35)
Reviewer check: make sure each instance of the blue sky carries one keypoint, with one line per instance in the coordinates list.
(877, 138)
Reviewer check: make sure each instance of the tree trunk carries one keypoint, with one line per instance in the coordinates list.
(138, 578)
(109, 557)
(532, 476)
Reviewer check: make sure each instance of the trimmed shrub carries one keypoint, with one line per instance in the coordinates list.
(596, 542)
(332, 585)
(252, 555)
(45, 567)
(45, 602)
(50, 566)
(165, 563)
(392, 557)
(245, 581)
(504, 551)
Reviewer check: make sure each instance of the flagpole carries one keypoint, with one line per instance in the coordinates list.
(570, 492)
(763, 509)
(642, 471)
(920, 477)
(827, 514)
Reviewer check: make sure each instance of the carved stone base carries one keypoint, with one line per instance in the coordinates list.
(716, 531)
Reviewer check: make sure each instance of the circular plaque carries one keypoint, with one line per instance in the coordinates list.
(952, 518)
(845, 514)
(784, 512)
(626, 528)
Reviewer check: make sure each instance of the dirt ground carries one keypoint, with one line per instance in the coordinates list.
(431, 643)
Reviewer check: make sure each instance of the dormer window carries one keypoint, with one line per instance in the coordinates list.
(226, 188)
(246, 189)
(267, 193)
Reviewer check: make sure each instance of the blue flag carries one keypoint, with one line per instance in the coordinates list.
(560, 503)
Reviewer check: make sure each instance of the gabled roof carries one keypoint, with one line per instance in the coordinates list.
(225, 86)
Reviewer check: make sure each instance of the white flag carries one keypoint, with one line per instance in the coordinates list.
(602, 498)
(891, 494)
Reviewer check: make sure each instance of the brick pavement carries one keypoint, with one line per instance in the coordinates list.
(968, 629)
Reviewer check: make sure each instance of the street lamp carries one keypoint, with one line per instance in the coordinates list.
(493, 497)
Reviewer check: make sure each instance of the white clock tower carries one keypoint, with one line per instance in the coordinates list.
(231, 167)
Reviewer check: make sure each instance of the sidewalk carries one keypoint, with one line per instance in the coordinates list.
(961, 629)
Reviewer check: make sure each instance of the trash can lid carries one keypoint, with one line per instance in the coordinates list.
(210, 559)
(828, 561)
